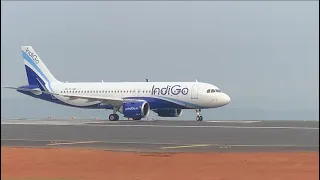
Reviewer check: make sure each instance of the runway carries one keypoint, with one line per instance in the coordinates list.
(163, 135)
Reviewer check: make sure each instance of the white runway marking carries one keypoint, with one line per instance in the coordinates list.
(240, 122)
(70, 143)
(173, 145)
(116, 124)
(235, 145)
(55, 141)
(186, 126)
(265, 145)
(188, 146)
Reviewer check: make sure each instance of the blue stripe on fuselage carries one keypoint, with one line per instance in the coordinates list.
(190, 105)
(156, 103)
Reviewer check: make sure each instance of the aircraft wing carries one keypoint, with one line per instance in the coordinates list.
(116, 102)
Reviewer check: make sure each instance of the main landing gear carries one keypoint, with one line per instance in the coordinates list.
(113, 117)
(199, 117)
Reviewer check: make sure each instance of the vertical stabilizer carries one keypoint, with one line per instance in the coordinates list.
(37, 72)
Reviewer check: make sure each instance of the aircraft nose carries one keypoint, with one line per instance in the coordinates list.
(225, 99)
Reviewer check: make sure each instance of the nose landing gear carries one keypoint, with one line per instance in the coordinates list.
(199, 117)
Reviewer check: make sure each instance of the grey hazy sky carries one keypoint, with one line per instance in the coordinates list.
(263, 54)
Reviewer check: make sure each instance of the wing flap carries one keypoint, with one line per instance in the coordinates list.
(117, 102)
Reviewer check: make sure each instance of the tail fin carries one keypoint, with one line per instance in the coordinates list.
(37, 72)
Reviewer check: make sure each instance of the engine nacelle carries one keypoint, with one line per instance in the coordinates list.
(169, 112)
(135, 109)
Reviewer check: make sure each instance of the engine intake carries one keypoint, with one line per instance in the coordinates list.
(169, 112)
(135, 109)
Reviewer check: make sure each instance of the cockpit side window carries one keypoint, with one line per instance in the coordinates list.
(212, 90)
(218, 90)
(208, 91)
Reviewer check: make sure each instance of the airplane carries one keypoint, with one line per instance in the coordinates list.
(134, 100)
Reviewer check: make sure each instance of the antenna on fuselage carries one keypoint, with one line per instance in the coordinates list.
(196, 80)
(147, 80)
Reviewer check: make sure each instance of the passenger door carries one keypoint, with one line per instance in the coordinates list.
(194, 91)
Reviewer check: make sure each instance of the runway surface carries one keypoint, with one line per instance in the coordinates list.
(163, 135)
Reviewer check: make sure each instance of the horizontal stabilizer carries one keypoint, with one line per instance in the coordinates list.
(36, 90)
(20, 88)
(8, 87)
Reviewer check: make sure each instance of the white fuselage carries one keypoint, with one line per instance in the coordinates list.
(184, 95)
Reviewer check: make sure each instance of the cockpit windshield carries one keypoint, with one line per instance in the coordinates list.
(213, 90)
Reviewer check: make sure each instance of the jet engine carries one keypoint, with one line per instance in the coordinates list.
(135, 109)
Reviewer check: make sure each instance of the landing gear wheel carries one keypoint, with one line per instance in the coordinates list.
(199, 118)
(113, 117)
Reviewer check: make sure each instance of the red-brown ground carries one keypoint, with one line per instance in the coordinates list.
(77, 164)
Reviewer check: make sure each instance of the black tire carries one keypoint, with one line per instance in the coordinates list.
(117, 117)
(199, 118)
(113, 117)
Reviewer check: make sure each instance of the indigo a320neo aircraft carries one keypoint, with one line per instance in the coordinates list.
(133, 100)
